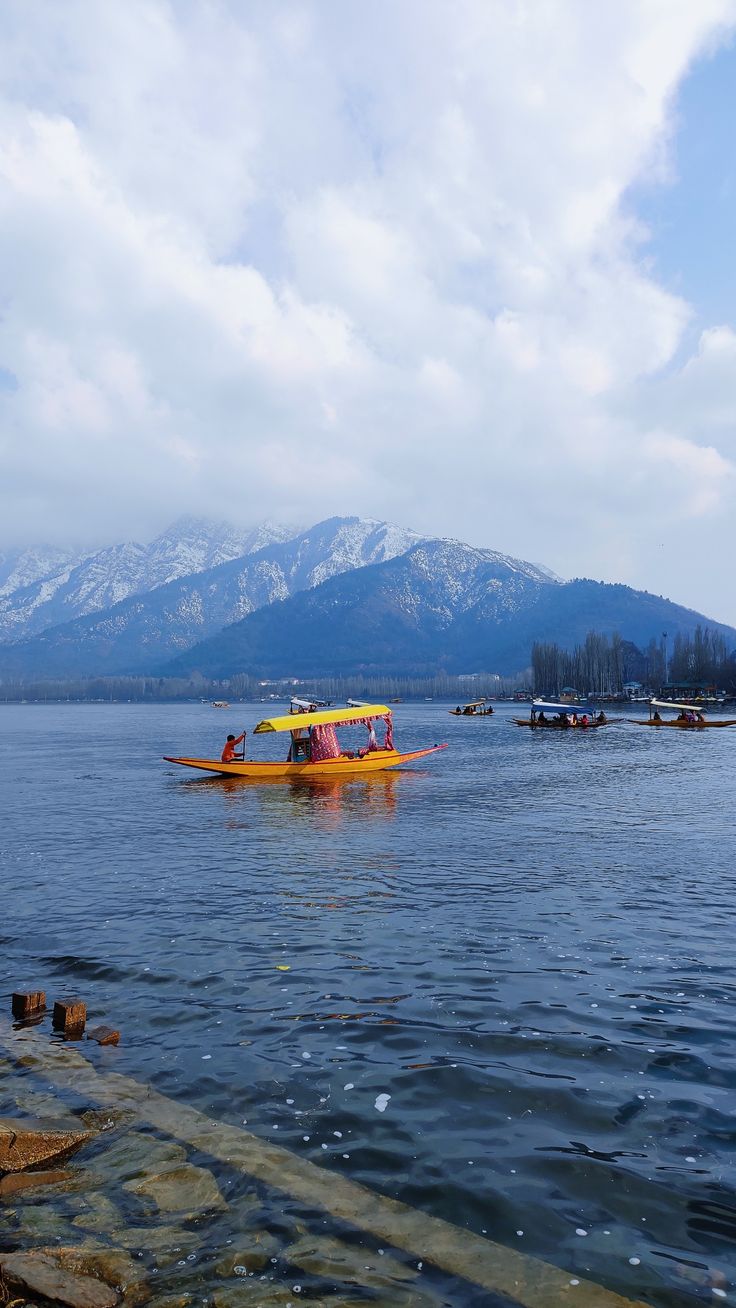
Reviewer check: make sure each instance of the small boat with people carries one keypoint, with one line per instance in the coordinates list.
(561, 717)
(690, 717)
(477, 708)
(314, 749)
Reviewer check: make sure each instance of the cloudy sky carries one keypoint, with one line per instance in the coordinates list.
(464, 264)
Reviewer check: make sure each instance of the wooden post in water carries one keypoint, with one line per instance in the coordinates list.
(28, 1003)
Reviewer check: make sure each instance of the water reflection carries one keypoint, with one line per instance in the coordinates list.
(332, 802)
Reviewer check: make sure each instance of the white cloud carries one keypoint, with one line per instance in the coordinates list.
(377, 254)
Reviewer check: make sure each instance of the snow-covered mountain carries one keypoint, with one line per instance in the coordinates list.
(42, 587)
(349, 595)
(440, 607)
(149, 627)
(21, 568)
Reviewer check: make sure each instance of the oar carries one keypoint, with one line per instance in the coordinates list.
(245, 737)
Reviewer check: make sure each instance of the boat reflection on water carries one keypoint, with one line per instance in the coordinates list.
(329, 801)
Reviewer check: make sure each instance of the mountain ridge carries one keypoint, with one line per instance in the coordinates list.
(146, 628)
(401, 618)
(346, 595)
(42, 587)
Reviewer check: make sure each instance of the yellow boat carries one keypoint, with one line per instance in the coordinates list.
(314, 750)
(689, 717)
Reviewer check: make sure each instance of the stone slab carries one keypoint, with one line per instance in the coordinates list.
(39, 1273)
(27, 1141)
(15, 1182)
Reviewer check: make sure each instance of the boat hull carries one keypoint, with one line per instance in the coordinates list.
(554, 726)
(376, 761)
(683, 726)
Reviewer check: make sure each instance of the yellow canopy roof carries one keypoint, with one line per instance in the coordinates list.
(293, 721)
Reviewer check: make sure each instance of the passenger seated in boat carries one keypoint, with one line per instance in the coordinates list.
(541, 717)
(601, 718)
(299, 751)
(228, 754)
(584, 720)
(655, 716)
(682, 716)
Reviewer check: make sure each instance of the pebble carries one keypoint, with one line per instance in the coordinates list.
(635, 1261)
(381, 1103)
(579, 1231)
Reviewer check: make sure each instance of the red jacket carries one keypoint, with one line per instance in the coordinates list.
(228, 753)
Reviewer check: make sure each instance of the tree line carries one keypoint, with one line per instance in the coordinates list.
(602, 664)
(137, 690)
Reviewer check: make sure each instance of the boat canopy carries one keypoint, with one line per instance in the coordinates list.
(538, 706)
(683, 708)
(296, 721)
(474, 703)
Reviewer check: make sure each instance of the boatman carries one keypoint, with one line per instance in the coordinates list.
(228, 753)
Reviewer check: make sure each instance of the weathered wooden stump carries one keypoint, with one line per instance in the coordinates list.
(69, 1016)
(28, 1003)
(104, 1035)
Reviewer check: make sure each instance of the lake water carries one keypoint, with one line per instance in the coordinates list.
(525, 942)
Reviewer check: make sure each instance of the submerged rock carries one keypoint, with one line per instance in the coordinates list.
(39, 1272)
(106, 1119)
(113, 1266)
(185, 1189)
(26, 1142)
(172, 1301)
(99, 1214)
(254, 1256)
(15, 1182)
(138, 1154)
(342, 1263)
(168, 1243)
(255, 1293)
(43, 1224)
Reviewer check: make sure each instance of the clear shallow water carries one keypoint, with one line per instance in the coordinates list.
(526, 942)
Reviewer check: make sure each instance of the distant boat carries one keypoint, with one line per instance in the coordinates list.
(314, 749)
(561, 717)
(478, 708)
(689, 717)
(220, 703)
